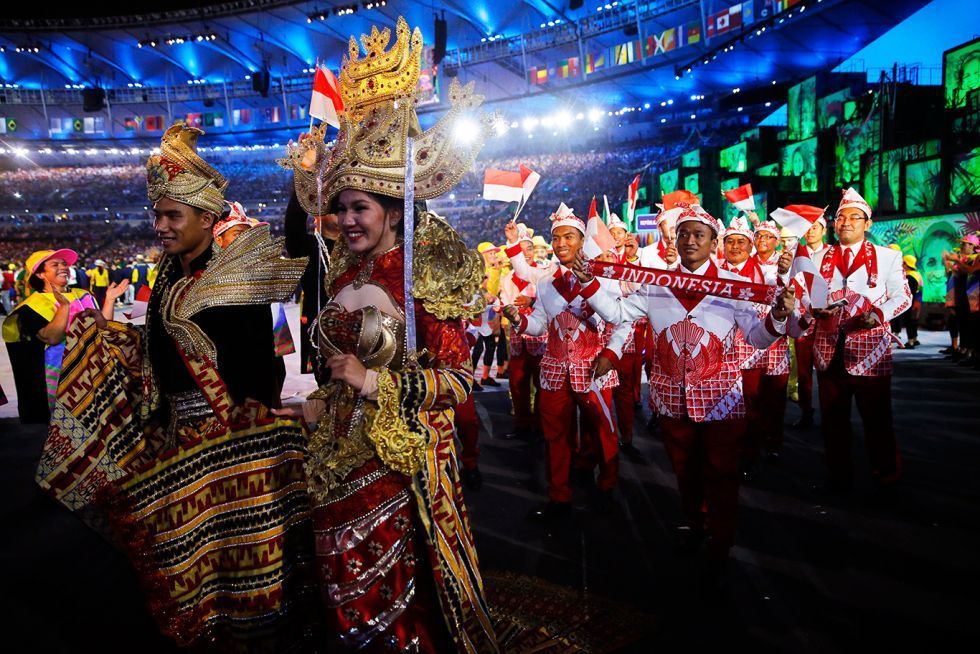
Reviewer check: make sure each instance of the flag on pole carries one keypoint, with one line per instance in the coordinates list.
(529, 179)
(139, 304)
(605, 209)
(796, 219)
(806, 270)
(503, 185)
(326, 103)
(634, 189)
(741, 197)
(598, 239)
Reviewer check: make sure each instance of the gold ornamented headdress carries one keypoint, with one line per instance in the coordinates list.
(379, 93)
(180, 174)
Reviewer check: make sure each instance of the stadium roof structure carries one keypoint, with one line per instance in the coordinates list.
(497, 43)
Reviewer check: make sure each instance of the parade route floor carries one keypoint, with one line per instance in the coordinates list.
(810, 573)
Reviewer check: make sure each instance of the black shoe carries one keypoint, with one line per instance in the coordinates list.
(476, 387)
(909, 345)
(631, 452)
(551, 512)
(750, 471)
(805, 422)
(490, 381)
(687, 541)
(945, 350)
(605, 503)
(472, 478)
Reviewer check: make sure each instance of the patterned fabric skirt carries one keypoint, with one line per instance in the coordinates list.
(372, 567)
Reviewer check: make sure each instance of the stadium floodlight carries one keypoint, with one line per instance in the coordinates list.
(646, 105)
(530, 123)
(595, 115)
(564, 119)
(663, 120)
(501, 127)
(547, 121)
(670, 101)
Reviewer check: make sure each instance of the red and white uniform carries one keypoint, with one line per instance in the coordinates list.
(574, 341)
(854, 362)
(696, 387)
(803, 344)
(525, 355)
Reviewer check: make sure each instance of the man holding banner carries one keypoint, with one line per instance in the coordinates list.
(696, 385)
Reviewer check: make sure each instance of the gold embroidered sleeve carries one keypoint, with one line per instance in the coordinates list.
(400, 448)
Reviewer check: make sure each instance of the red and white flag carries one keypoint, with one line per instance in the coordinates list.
(634, 190)
(326, 103)
(741, 197)
(503, 185)
(805, 270)
(796, 219)
(139, 304)
(598, 238)
(529, 179)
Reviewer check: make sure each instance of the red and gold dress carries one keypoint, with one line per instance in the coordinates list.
(394, 551)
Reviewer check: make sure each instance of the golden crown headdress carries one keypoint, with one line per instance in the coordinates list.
(179, 173)
(379, 92)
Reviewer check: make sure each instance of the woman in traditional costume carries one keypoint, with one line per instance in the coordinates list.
(35, 330)
(394, 551)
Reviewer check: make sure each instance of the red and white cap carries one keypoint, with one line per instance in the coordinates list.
(797, 219)
(739, 227)
(236, 216)
(694, 212)
(853, 200)
(616, 221)
(565, 217)
(525, 233)
(768, 226)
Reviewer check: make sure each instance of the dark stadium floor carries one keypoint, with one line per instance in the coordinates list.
(809, 574)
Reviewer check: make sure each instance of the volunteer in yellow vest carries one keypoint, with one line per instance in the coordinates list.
(99, 281)
(35, 330)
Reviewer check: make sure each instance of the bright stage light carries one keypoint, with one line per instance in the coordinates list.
(530, 123)
(563, 119)
(595, 115)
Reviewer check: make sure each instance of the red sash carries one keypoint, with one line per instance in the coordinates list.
(834, 259)
(686, 282)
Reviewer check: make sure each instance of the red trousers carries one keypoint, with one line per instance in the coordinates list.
(524, 370)
(626, 394)
(751, 390)
(468, 430)
(804, 373)
(873, 396)
(705, 459)
(772, 409)
(559, 426)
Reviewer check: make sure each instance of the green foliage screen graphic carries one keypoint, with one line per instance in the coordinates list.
(801, 110)
(922, 179)
(800, 160)
(926, 238)
(961, 73)
(964, 179)
(769, 170)
(734, 158)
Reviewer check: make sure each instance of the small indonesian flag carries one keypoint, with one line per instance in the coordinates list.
(741, 197)
(805, 270)
(683, 195)
(634, 189)
(503, 185)
(598, 239)
(796, 219)
(529, 179)
(326, 103)
(139, 304)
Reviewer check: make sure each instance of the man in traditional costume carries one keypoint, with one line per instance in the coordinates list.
(576, 370)
(163, 436)
(803, 344)
(696, 385)
(525, 350)
(852, 345)
(395, 557)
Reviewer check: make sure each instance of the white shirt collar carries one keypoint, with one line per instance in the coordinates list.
(700, 271)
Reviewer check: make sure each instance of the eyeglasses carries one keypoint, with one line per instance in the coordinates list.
(850, 219)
